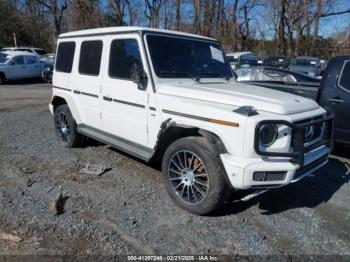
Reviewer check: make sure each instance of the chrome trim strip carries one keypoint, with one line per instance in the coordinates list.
(128, 103)
(61, 88)
(186, 115)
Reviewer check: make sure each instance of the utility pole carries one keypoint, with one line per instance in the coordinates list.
(14, 38)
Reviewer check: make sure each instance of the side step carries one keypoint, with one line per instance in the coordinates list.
(122, 144)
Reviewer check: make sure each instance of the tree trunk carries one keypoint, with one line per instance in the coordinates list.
(197, 16)
(281, 28)
(178, 15)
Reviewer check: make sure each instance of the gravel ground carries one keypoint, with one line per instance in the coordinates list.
(127, 210)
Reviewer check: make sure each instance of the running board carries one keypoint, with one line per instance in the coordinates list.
(122, 144)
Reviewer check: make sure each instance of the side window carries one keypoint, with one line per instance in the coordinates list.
(31, 59)
(90, 58)
(65, 56)
(123, 55)
(344, 80)
(19, 60)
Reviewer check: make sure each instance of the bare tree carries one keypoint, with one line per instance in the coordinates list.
(152, 12)
(56, 10)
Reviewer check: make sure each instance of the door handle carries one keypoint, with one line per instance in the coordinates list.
(107, 98)
(24, 67)
(336, 100)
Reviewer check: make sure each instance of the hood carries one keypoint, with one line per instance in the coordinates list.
(238, 94)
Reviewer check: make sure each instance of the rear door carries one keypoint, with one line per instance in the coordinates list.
(32, 66)
(17, 67)
(337, 97)
(86, 80)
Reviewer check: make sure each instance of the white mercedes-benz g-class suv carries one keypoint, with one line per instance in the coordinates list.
(172, 97)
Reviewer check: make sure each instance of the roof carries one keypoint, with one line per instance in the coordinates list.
(20, 47)
(237, 54)
(126, 29)
(15, 53)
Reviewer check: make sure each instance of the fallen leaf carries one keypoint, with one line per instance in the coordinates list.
(10, 237)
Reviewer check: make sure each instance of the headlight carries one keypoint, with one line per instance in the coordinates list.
(268, 135)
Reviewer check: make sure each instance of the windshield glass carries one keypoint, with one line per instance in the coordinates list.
(302, 62)
(232, 60)
(175, 57)
(41, 51)
(248, 61)
(3, 58)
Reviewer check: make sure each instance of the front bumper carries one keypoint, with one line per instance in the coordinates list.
(240, 171)
(302, 160)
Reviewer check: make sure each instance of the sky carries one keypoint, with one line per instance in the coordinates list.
(331, 24)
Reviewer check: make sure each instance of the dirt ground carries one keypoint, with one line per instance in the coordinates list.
(127, 210)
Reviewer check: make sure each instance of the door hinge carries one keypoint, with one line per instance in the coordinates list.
(100, 115)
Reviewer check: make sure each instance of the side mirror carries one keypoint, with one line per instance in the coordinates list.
(12, 63)
(139, 76)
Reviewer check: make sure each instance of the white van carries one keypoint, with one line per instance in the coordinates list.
(168, 96)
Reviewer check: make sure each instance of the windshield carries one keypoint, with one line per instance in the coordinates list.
(306, 63)
(248, 61)
(232, 60)
(175, 57)
(3, 58)
(40, 51)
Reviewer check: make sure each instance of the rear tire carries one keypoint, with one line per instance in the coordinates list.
(2, 79)
(66, 127)
(194, 175)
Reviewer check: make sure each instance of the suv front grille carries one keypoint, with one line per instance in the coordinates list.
(313, 133)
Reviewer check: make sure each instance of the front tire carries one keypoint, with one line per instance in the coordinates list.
(2, 79)
(66, 127)
(194, 175)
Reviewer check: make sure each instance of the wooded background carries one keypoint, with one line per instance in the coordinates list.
(267, 27)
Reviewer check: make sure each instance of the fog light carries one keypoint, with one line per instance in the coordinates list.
(270, 176)
(259, 176)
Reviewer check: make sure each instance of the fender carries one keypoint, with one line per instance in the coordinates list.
(70, 102)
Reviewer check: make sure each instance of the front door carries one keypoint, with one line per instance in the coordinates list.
(18, 68)
(337, 98)
(124, 105)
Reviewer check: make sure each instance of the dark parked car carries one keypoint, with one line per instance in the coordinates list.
(333, 93)
(277, 61)
(307, 65)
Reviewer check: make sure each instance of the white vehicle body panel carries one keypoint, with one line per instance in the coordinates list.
(119, 108)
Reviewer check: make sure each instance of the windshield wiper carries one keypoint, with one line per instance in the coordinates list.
(182, 73)
(226, 77)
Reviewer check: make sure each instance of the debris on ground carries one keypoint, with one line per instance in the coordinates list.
(10, 237)
(30, 182)
(94, 169)
(57, 205)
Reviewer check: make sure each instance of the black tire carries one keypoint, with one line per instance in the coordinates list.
(217, 190)
(2, 79)
(66, 127)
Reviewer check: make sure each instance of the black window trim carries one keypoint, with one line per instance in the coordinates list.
(99, 72)
(340, 76)
(75, 47)
(109, 57)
